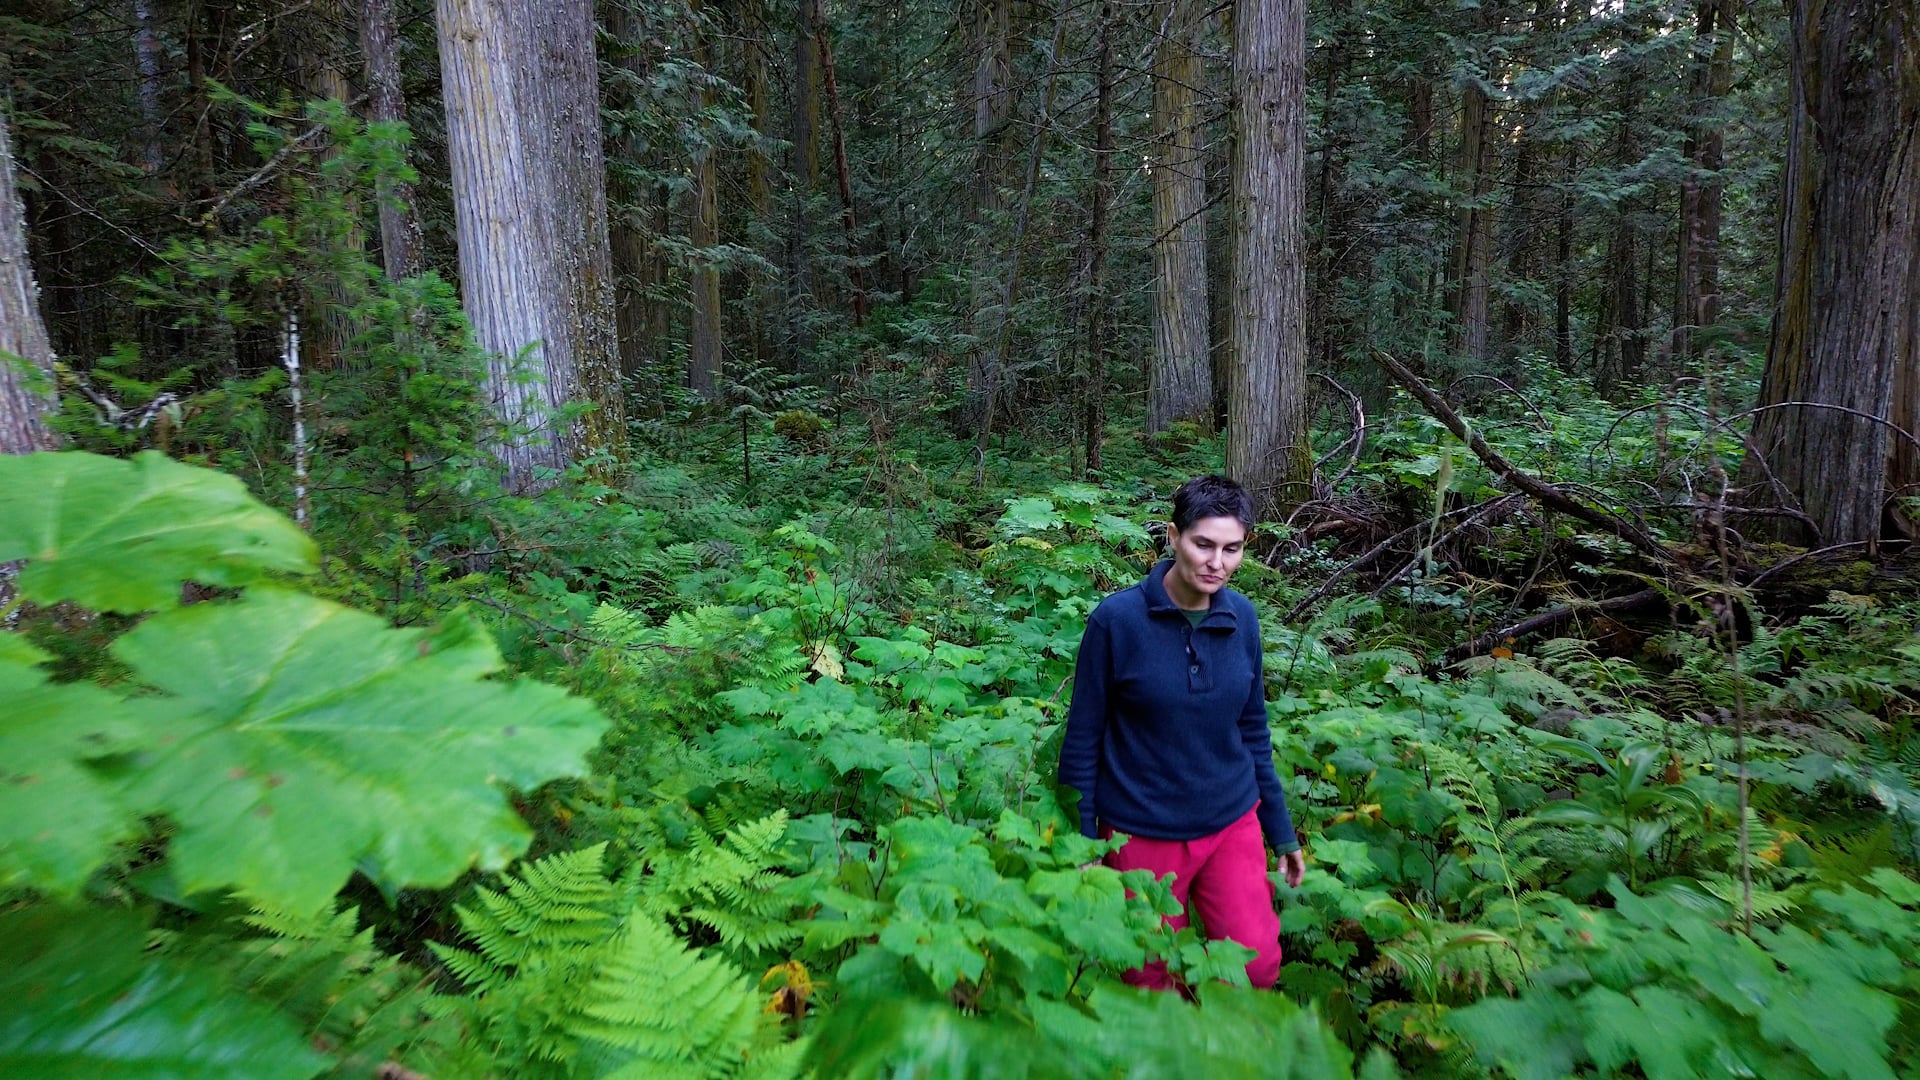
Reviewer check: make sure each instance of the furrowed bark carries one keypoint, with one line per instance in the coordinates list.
(1180, 376)
(26, 359)
(1267, 447)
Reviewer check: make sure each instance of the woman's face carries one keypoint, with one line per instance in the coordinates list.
(1206, 553)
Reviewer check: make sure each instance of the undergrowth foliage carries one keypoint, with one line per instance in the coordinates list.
(818, 833)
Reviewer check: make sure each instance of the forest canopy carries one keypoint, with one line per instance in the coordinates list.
(548, 538)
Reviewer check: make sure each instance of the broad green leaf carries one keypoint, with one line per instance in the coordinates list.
(1025, 516)
(944, 950)
(1351, 856)
(82, 1001)
(1118, 530)
(117, 535)
(306, 739)
(1076, 492)
(58, 820)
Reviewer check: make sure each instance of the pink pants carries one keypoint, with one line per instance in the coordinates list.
(1223, 878)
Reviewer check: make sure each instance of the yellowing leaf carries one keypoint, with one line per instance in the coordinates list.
(828, 662)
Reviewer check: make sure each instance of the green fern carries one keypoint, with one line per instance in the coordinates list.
(571, 976)
(355, 1001)
(671, 1011)
(734, 888)
(555, 911)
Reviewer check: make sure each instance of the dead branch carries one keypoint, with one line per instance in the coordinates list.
(1509, 388)
(1485, 510)
(1387, 545)
(1548, 620)
(1358, 438)
(1524, 482)
(1817, 553)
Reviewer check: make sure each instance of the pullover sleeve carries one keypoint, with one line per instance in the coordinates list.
(1275, 821)
(1087, 722)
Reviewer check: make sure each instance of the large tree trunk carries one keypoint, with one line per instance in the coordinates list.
(1327, 271)
(147, 53)
(1696, 300)
(1846, 330)
(1099, 332)
(704, 356)
(1267, 447)
(993, 101)
(523, 132)
(1526, 224)
(756, 42)
(843, 175)
(638, 206)
(1472, 285)
(1620, 344)
(26, 361)
(804, 137)
(1180, 376)
(400, 243)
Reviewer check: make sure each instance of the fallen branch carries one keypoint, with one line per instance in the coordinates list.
(1521, 481)
(1357, 439)
(1384, 546)
(1816, 553)
(1548, 620)
(1485, 510)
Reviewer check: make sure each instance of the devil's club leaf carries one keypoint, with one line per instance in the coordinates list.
(57, 821)
(309, 739)
(118, 535)
(81, 1000)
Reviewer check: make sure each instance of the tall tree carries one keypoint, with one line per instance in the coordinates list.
(400, 244)
(1180, 377)
(1267, 447)
(1696, 301)
(756, 43)
(842, 173)
(804, 165)
(1620, 342)
(703, 234)
(26, 360)
(637, 205)
(521, 88)
(1472, 281)
(1100, 304)
(1845, 350)
(993, 138)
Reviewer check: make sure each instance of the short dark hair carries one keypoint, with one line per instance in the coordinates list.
(1211, 496)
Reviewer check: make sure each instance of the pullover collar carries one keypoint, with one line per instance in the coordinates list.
(1219, 615)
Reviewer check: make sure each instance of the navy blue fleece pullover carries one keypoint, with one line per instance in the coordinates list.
(1167, 734)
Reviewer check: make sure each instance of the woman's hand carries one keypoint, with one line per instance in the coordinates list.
(1294, 863)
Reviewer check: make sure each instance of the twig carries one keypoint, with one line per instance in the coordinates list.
(1548, 620)
(1882, 421)
(272, 165)
(1815, 554)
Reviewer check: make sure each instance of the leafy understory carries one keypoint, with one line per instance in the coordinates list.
(797, 818)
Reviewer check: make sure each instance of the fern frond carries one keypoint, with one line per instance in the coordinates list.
(676, 1012)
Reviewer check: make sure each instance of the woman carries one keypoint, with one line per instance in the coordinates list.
(1167, 738)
